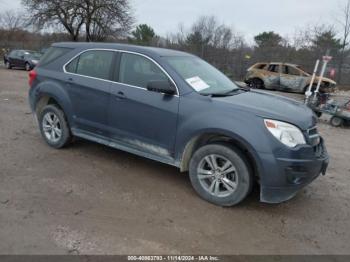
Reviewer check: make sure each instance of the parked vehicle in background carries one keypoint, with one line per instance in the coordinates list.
(177, 109)
(26, 59)
(284, 77)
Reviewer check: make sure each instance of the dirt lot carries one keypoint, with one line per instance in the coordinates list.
(92, 199)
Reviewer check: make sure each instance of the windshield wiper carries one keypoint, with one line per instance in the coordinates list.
(229, 93)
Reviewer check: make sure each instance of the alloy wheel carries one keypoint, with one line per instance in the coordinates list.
(52, 127)
(217, 175)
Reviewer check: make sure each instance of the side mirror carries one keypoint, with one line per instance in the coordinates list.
(161, 86)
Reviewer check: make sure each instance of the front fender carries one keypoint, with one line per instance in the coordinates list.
(245, 129)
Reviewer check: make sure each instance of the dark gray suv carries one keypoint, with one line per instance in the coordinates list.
(175, 108)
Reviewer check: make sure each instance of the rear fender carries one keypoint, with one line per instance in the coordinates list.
(56, 91)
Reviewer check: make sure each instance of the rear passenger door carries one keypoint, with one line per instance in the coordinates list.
(139, 118)
(88, 84)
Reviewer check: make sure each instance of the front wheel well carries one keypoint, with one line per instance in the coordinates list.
(194, 144)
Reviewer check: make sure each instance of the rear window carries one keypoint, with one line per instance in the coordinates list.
(13, 53)
(53, 53)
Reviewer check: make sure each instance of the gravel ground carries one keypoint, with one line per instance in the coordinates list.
(91, 199)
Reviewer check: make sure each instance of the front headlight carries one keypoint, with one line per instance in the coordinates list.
(35, 61)
(286, 133)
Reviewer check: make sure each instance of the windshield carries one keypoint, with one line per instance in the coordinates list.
(201, 76)
(33, 55)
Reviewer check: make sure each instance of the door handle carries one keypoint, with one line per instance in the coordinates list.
(120, 95)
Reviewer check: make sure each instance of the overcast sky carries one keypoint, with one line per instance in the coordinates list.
(246, 16)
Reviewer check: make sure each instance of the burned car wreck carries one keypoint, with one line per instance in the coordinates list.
(284, 77)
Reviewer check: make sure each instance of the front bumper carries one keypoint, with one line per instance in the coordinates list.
(288, 175)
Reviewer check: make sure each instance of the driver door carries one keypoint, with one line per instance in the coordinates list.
(291, 79)
(142, 119)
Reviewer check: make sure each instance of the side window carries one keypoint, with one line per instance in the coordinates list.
(288, 70)
(92, 63)
(293, 71)
(273, 68)
(285, 70)
(137, 70)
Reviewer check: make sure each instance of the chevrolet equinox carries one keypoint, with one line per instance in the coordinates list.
(177, 109)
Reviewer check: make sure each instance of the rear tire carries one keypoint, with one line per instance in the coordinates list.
(54, 126)
(256, 83)
(220, 174)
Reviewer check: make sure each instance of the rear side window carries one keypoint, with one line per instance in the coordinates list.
(138, 71)
(53, 53)
(95, 63)
(72, 66)
(260, 66)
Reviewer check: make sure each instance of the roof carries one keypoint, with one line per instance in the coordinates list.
(278, 63)
(126, 47)
(287, 64)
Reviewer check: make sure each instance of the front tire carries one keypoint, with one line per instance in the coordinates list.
(220, 174)
(54, 127)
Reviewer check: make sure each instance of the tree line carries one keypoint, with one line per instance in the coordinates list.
(45, 22)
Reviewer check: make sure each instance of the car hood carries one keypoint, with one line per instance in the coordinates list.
(274, 107)
(325, 79)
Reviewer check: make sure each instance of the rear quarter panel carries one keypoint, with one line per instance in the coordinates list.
(52, 84)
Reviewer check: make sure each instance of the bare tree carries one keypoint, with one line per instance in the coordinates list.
(97, 19)
(105, 17)
(12, 20)
(50, 13)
